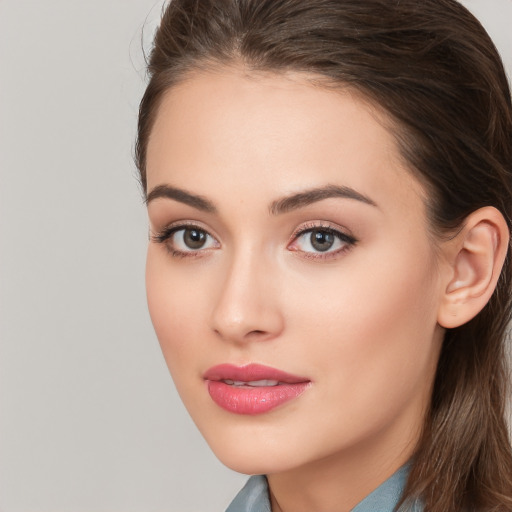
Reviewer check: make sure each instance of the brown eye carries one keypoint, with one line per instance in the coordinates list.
(194, 238)
(321, 240)
(187, 240)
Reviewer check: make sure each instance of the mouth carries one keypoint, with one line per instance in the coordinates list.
(252, 389)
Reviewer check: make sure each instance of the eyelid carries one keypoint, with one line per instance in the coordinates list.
(322, 224)
(168, 229)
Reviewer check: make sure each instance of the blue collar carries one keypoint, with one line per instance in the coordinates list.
(254, 496)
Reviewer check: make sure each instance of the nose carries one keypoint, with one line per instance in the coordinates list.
(247, 306)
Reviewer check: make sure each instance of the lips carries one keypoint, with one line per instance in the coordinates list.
(252, 389)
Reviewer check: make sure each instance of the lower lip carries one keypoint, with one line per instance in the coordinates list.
(253, 400)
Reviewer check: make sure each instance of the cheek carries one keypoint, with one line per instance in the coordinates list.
(373, 332)
(375, 291)
(174, 306)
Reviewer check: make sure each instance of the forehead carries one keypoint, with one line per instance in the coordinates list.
(227, 130)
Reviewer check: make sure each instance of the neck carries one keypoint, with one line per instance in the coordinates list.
(340, 481)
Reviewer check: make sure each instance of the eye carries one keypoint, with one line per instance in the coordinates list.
(320, 241)
(186, 240)
(191, 239)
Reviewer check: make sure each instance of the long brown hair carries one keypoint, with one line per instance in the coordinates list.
(433, 68)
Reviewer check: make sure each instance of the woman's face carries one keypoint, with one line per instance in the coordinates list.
(291, 277)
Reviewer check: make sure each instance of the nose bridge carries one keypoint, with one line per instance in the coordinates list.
(247, 306)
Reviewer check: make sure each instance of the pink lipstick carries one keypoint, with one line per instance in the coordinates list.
(253, 388)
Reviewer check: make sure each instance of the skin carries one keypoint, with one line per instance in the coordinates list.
(359, 321)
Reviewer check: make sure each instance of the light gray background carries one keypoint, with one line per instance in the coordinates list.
(89, 419)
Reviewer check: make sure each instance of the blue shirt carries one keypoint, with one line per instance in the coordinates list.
(254, 497)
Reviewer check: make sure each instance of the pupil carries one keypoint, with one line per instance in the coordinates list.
(322, 240)
(194, 238)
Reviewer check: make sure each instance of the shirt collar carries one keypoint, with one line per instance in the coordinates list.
(254, 496)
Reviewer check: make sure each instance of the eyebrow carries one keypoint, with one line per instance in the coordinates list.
(280, 206)
(198, 202)
(307, 197)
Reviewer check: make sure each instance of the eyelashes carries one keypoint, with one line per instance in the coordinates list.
(315, 240)
(186, 240)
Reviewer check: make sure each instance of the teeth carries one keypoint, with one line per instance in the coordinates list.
(257, 383)
(253, 383)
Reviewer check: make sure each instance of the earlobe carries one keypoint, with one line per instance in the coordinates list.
(475, 257)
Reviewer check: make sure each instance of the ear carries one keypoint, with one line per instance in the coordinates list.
(474, 259)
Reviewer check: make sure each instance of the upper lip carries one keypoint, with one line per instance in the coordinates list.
(250, 372)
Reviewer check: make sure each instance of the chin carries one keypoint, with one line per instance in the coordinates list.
(255, 450)
(263, 456)
(245, 467)
(252, 462)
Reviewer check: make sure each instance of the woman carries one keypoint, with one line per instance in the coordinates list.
(329, 189)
